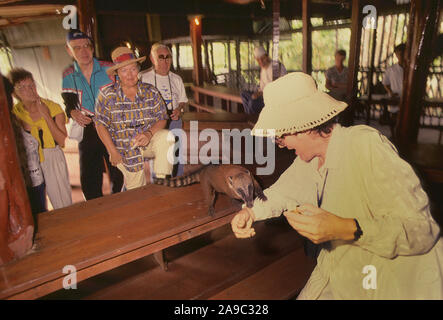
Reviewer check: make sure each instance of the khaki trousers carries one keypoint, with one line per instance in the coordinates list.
(158, 149)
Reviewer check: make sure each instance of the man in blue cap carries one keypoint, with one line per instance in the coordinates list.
(82, 82)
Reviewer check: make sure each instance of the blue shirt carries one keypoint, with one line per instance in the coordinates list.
(75, 82)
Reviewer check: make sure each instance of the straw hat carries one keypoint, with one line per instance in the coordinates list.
(293, 104)
(122, 56)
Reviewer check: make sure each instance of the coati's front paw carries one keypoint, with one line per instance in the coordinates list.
(211, 211)
(262, 197)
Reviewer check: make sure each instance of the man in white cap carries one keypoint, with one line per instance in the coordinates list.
(253, 101)
(131, 119)
(171, 88)
(350, 192)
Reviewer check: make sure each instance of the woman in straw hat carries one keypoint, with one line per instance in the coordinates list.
(131, 119)
(349, 192)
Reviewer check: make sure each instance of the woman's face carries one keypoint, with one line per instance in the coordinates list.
(129, 75)
(302, 143)
(26, 91)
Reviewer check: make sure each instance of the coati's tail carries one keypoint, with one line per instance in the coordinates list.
(179, 181)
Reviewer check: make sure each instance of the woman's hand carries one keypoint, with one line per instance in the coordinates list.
(319, 225)
(43, 109)
(80, 118)
(242, 224)
(115, 158)
(176, 114)
(142, 139)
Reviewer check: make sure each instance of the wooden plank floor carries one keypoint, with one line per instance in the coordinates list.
(199, 268)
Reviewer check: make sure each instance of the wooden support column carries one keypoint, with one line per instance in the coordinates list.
(195, 27)
(307, 37)
(238, 61)
(347, 117)
(177, 57)
(16, 222)
(275, 38)
(423, 25)
(87, 19)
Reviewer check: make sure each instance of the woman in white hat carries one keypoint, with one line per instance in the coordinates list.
(349, 192)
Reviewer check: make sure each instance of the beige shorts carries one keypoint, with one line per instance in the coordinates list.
(158, 149)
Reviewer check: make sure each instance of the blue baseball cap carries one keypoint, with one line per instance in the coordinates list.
(76, 34)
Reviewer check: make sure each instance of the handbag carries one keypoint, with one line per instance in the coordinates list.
(75, 131)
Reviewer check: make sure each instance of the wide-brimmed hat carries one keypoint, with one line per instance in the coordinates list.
(294, 104)
(122, 56)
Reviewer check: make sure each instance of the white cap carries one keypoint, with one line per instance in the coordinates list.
(259, 52)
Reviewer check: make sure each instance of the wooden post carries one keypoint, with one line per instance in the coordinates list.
(177, 57)
(16, 222)
(424, 19)
(275, 38)
(88, 22)
(354, 54)
(307, 37)
(195, 27)
(237, 59)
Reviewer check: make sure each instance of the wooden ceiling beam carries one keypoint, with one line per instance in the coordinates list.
(30, 10)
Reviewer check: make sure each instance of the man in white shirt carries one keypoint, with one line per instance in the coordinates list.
(170, 86)
(253, 101)
(393, 77)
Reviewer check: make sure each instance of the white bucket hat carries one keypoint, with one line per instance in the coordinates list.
(293, 104)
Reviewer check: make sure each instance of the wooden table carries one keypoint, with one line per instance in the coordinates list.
(102, 234)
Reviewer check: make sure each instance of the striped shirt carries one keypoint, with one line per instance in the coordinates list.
(124, 119)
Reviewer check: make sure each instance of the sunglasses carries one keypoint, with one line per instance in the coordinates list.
(163, 57)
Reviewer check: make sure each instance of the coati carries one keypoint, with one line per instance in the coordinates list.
(234, 181)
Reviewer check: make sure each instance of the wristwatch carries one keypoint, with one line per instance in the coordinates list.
(358, 233)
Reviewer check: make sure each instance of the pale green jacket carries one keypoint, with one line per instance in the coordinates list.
(366, 180)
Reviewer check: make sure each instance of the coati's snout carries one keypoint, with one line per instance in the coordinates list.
(243, 188)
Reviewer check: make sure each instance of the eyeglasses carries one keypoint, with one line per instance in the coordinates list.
(85, 46)
(25, 86)
(163, 57)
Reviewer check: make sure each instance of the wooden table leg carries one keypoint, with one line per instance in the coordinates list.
(159, 257)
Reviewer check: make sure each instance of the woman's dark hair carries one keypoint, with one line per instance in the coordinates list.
(326, 127)
(19, 74)
(341, 52)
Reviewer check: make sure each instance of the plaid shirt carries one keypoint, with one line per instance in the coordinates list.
(125, 119)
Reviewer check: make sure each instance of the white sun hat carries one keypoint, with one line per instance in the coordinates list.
(294, 104)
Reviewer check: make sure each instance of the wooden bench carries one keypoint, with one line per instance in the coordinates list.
(280, 280)
(102, 234)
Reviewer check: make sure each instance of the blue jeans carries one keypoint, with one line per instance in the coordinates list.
(252, 105)
(37, 198)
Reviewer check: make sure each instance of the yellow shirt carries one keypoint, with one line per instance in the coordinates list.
(364, 178)
(23, 114)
